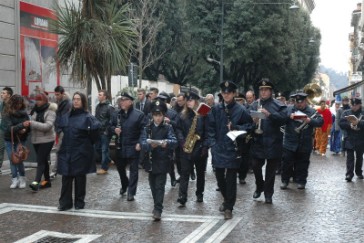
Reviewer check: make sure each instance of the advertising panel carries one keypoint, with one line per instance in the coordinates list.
(38, 48)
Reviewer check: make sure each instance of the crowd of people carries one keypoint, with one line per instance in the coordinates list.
(166, 134)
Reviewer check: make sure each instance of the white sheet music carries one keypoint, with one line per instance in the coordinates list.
(234, 134)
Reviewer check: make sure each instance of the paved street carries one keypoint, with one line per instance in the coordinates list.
(329, 210)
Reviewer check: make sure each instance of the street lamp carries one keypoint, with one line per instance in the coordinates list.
(293, 7)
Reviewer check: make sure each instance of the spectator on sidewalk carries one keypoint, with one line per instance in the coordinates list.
(43, 116)
(335, 133)
(64, 107)
(75, 156)
(15, 116)
(104, 111)
(5, 95)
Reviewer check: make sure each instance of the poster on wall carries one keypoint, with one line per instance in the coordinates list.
(38, 48)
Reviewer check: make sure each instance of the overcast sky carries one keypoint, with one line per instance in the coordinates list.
(333, 18)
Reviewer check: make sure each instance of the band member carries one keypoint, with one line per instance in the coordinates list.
(170, 117)
(191, 135)
(267, 140)
(224, 117)
(159, 154)
(297, 141)
(352, 122)
(128, 124)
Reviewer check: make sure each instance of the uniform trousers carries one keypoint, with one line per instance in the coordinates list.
(295, 164)
(66, 192)
(350, 161)
(226, 181)
(186, 167)
(157, 183)
(132, 182)
(267, 185)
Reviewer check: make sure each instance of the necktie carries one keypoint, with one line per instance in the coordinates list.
(141, 106)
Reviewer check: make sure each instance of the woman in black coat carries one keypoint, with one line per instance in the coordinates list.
(75, 157)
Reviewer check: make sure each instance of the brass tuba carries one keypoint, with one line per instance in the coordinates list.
(313, 91)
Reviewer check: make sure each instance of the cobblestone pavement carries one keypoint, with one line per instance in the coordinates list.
(329, 210)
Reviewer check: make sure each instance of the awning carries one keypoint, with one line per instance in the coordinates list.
(348, 88)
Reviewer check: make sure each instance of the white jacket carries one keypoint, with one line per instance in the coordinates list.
(44, 132)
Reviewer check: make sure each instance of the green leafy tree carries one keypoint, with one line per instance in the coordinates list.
(95, 40)
(259, 41)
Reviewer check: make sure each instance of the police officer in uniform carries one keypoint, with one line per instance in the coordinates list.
(226, 155)
(354, 142)
(267, 141)
(297, 140)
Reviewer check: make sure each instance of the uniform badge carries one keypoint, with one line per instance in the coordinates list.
(226, 84)
(264, 83)
(157, 103)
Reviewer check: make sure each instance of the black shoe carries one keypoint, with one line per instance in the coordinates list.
(257, 194)
(173, 183)
(130, 197)
(218, 189)
(64, 208)
(222, 208)
(228, 214)
(122, 191)
(34, 186)
(79, 207)
(178, 180)
(199, 198)
(361, 177)
(301, 186)
(268, 200)
(284, 185)
(181, 201)
(242, 182)
(157, 215)
(193, 176)
(348, 178)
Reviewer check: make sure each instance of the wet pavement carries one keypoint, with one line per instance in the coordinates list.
(328, 210)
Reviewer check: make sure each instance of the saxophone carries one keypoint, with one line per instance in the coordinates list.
(192, 137)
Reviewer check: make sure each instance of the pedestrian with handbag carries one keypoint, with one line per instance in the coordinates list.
(15, 121)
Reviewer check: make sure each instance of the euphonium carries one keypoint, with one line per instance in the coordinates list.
(192, 136)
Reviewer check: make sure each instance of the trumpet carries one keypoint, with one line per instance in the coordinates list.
(259, 129)
(304, 124)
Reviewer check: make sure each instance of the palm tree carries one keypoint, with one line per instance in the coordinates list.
(95, 40)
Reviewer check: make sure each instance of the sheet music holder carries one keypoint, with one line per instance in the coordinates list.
(234, 134)
(299, 115)
(351, 118)
(156, 142)
(257, 114)
(203, 109)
